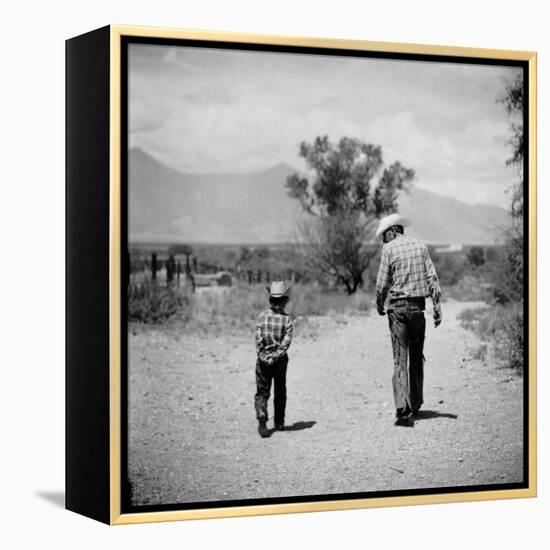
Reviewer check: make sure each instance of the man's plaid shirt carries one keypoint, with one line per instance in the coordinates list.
(273, 334)
(406, 271)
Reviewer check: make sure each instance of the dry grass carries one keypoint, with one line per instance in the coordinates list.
(236, 308)
(501, 327)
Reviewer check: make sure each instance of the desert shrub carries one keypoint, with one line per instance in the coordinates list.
(151, 302)
(476, 256)
(502, 327)
(507, 272)
(513, 329)
(235, 308)
(450, 267)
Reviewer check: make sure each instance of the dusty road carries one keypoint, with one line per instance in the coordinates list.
(192, 427)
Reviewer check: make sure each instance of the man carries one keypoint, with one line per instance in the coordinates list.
(406, 276)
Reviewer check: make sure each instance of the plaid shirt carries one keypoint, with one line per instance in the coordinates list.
(406, 271)
(273, 334)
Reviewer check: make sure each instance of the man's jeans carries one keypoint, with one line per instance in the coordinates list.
(264, 374)
(407, 329)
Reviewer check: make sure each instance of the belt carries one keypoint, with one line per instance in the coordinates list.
(409, 301)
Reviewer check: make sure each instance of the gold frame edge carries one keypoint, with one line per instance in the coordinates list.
(116, 517)
(532, 281)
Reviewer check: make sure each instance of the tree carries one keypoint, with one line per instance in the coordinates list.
(513, 103)
(349, 189)
(337, 247)
(476, 256)
(510, 272)
(509, 275)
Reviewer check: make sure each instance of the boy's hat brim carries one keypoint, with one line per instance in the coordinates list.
(278, 289)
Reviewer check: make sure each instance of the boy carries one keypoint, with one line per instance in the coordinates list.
(273, 338)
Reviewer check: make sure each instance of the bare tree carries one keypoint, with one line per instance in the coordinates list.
(348, 191)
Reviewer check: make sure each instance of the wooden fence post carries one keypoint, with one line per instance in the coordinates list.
(170, 268)
(187, 265)
(154, 266)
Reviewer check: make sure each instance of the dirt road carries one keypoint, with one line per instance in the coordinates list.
(193, 437)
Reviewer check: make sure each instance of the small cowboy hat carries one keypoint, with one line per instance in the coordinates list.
(390, 221)
(278, 289)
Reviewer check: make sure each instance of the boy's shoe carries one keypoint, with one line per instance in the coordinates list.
(262, 427)
(279, 427)
(405, 420)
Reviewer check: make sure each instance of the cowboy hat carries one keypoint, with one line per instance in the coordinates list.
(278, 289)
(390, 221)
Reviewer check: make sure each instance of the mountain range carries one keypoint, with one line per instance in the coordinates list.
(168, 205)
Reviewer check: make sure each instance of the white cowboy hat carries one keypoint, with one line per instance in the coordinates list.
(278, 289)
(390, 221)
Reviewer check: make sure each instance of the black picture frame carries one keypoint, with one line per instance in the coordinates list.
(97, 269)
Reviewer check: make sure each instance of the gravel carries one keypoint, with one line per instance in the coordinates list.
(193, 435)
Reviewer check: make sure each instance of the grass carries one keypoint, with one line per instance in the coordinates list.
(500, 327)
(468, 289)
(236, 308)
(151, 302)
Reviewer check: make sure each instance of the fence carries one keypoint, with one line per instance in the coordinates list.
(173, 270)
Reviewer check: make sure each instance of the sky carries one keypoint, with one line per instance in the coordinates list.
(226, 111)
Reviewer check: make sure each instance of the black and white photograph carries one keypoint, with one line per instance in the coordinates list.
(325, 268)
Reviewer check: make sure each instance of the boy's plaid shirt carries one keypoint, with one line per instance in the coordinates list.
(273, 334)
(406, 271)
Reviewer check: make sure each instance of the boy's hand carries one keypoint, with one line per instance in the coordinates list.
(381, 311)
(267, 358)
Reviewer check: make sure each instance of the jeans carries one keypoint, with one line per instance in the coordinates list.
(407, 329)
(264, 375)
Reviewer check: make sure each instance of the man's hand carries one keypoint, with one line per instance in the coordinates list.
(381, 311)
(437, 316)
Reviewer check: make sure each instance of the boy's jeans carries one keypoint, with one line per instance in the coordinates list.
(264, 374)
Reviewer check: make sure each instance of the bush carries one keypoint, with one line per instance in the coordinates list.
(476, 256)
(507, 272)
(450, 267)
(502, 326)
(513, 329)
(151, 302)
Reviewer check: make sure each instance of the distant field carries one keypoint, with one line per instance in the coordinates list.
(466, 267)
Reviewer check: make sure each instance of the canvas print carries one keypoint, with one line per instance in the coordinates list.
(325, 292)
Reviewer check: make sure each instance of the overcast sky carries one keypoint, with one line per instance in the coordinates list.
(211, 110)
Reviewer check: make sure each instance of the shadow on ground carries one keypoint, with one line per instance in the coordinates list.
(53, 497)
(426, 415)
(297, 426)
(300, 426)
